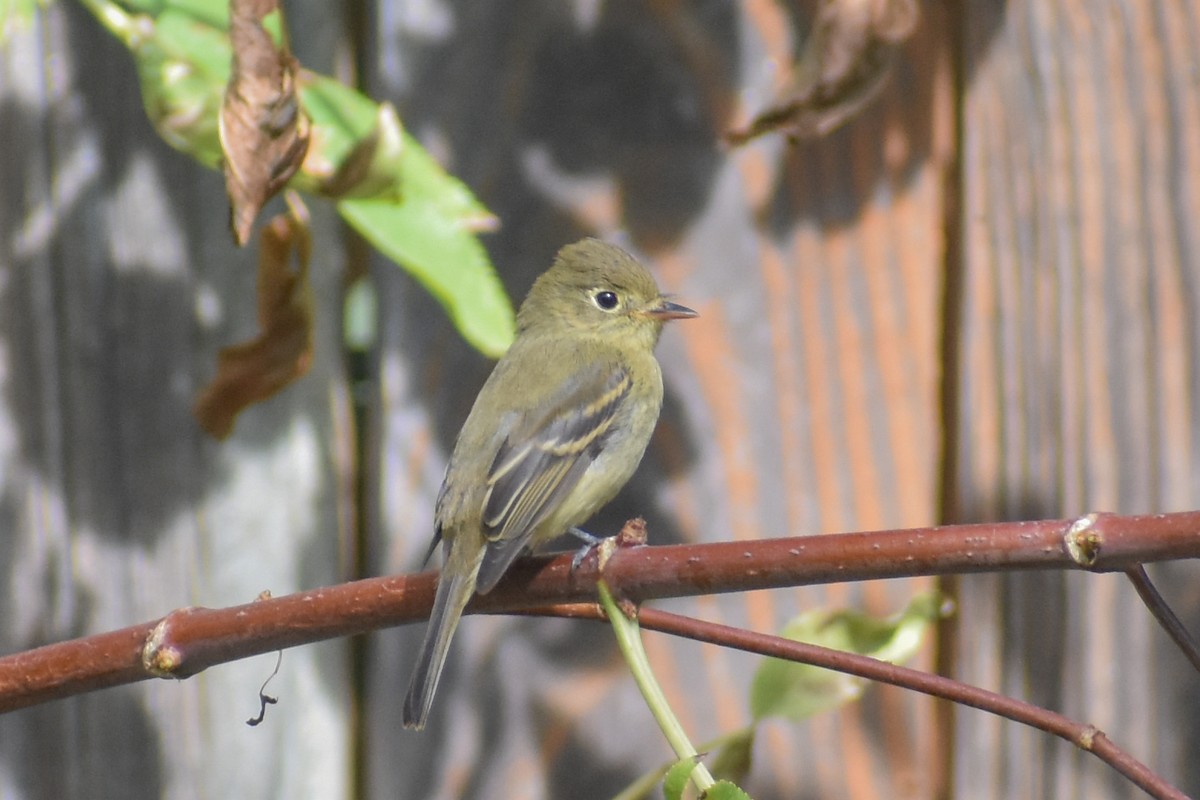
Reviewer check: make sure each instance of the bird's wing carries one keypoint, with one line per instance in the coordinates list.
(541, 461)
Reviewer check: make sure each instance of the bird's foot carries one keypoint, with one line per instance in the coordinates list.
(589, 542)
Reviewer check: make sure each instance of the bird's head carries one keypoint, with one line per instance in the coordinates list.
(596, 287)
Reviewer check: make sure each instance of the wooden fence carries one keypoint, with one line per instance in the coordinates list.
(977, 300)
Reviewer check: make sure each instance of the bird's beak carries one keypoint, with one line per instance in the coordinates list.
(666, 310)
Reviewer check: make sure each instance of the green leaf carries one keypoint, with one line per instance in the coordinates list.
(677, 777)
(446, 258)
(213, 13)
(183, 65)
(414, 212)
(389, 187)
(797, 691)
(342, 120)
(735, 755)
(724, 790)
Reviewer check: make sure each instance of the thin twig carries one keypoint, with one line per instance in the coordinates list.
(1162, 612)
(1084, 736)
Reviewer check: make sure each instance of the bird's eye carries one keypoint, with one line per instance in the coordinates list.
(605, 300)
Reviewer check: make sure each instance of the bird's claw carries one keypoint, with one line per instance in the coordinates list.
(589, 543)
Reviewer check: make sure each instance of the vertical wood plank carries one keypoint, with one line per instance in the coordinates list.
(1079, 360)
(118, 283)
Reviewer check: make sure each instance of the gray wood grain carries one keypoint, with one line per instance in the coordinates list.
(119, 283)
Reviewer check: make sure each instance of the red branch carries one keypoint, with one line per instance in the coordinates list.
(189, 640)
(1163, 613)
(1084, 736)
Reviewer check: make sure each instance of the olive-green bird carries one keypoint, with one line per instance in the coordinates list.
(558, 428)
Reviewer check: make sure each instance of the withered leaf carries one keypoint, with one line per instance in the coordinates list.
(253, 371)
(844, 63)
(264, 132)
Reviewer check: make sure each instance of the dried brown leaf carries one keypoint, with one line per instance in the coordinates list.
(264, 132)
(250, 372)
(845, 61)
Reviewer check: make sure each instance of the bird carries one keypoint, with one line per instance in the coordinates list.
(558, 428)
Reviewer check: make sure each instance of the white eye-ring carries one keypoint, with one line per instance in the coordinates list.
(605, 300)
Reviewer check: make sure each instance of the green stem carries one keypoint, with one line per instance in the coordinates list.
(630, 641)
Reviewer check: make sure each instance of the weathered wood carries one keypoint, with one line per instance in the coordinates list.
(118, 284)
(1079, 356)
(804, 399)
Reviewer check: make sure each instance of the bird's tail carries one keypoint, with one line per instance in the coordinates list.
(454, 589)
